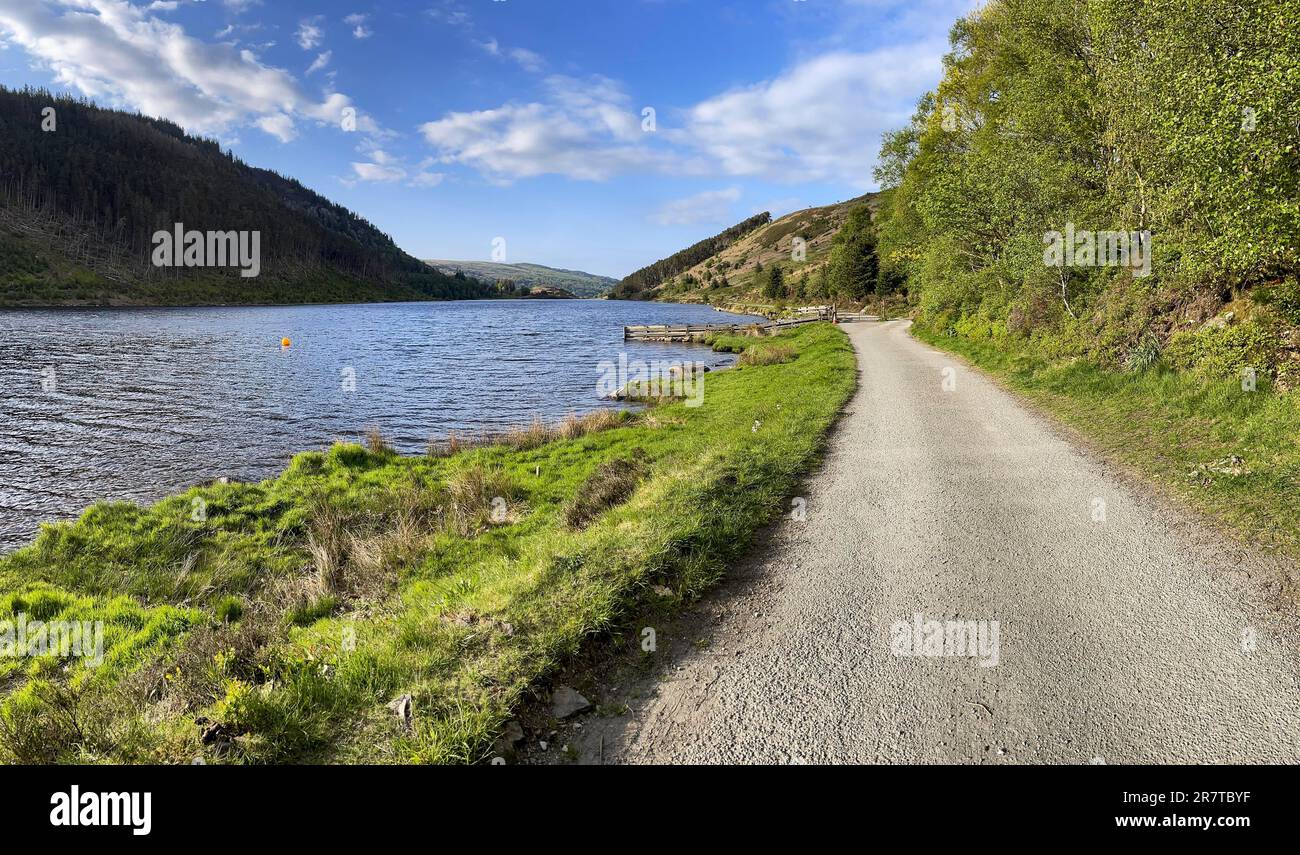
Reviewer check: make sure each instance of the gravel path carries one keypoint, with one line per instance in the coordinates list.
(1126, 632)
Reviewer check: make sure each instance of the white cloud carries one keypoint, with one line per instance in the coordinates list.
(235, 29)
(427, 179)
(322, 60)
(309, 35)
(113, 51)
(585, 129)
(378, 172)
(711, 206)
(527, 59)
(239, 6)
(385, 168)
(279, 126)
(450, 13)
(822, 120)
(358, 23)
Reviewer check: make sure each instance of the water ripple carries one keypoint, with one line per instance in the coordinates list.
(147, 402)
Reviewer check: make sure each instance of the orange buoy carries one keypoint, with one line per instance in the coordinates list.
(284, 342)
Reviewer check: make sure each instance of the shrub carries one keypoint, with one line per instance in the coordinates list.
(771, 354)
(1223, 352)
(1145, 354)
(610, 485)
(229, 609)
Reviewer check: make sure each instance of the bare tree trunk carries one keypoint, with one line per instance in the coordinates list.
(1065, 292)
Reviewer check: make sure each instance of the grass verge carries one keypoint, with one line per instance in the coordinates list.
(289, 621)
(1228, 452)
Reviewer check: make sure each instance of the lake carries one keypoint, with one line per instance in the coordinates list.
(137, 404)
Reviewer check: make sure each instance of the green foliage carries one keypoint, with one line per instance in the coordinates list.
(853, 266)
(773, 287)
(1225, 352)
(1180, 117)
(229, 609)
(1144, 355)
(516, 278)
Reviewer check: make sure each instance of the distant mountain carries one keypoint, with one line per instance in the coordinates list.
(720, 270)
(531, 275)
(83, 190)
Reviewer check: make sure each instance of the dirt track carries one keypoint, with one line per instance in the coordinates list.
(1126, 632)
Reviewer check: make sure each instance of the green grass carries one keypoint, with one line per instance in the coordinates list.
(274, 622)
(1182, 430)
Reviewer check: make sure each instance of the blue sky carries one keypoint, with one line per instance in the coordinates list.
(451, 123)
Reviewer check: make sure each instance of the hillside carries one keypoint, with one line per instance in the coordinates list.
(83, 191)
(531, 275)
(727, 276)
(643, 284)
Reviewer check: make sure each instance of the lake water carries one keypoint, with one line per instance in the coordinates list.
(137, 404)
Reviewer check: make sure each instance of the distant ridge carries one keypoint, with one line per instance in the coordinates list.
(538, 275)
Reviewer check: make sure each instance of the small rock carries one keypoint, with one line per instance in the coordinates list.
(566, 702)
(214, 732)
(401, 708)
(1221, 321)
(542, 744)
(511, 736)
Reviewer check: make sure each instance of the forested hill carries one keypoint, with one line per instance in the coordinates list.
(736, 267)
(642, 284)
(84, 189)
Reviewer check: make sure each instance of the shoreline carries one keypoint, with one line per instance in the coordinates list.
(450, 558)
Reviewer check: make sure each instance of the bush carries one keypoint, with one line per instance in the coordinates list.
(229, 609)
(1224, 352)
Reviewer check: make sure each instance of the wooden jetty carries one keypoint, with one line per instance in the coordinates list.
(697, 332)
(680, 332)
